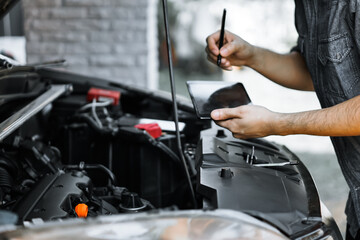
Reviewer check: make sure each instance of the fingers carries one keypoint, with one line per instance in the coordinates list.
(228, 49)
(238, 130)
(248, 121)
(225, 64)
(211, 43)
(233, 128)
(236, 135)
(225, 113)
(228, 124)
(210, 55)
(213, 51)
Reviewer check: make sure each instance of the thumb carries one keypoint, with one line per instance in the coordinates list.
(224, 113)
(228, 49)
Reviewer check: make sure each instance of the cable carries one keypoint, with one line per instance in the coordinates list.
(89, 120)
(97, 104)
(93, 106)
(173, 94)
(93, 111)
(82, 166)
(189, 161)
(165, 149)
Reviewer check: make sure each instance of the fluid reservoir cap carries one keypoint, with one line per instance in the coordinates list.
(131, 202)
(81, 210)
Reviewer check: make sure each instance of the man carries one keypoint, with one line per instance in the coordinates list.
(327, 60)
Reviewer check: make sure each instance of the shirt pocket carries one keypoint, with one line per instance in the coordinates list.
(339, 66)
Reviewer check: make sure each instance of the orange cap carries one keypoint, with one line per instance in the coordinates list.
(81, 210)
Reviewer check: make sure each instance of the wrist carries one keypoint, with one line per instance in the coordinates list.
(253, 60)
(281, 124)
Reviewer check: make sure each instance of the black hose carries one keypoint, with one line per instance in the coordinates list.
(82, 166)
(89, 120)
(104, 169)
(27, 182)
(191, 166)
(165, 149)
(5, 178)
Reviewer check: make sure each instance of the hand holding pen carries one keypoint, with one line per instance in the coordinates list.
(222, 34)
(234, 50)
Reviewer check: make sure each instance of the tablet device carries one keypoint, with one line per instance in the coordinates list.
(209, 95)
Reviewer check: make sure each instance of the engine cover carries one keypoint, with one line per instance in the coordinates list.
(53, 196)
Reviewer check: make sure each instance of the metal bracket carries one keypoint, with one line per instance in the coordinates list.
(17, 119)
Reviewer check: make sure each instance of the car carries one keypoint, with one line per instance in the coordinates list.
(89, 158)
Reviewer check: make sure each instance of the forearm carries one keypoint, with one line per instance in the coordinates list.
(340, 120)
(288, 70)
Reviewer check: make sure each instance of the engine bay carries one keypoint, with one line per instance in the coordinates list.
(76, 147)
(78, 150)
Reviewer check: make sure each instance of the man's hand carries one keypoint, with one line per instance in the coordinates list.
(288, 70)
(248, 121)
(235, 51)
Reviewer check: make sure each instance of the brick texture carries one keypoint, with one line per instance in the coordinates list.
(103, 38)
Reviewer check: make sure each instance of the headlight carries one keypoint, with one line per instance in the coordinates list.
(219, 224)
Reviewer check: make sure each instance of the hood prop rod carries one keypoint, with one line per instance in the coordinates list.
(175, 109)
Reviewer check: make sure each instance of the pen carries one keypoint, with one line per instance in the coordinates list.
(222, 33)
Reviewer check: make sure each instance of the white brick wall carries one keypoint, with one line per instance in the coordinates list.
(114, 39)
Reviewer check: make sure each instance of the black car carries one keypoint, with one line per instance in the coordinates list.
(88, 158)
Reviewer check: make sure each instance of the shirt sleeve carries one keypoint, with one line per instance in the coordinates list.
(299, 47)
(354, 21)
(296, 48)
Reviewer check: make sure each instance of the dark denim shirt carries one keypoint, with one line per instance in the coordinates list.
(329, 40)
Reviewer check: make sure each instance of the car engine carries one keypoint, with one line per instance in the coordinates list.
(74, 147)
(85, 151)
